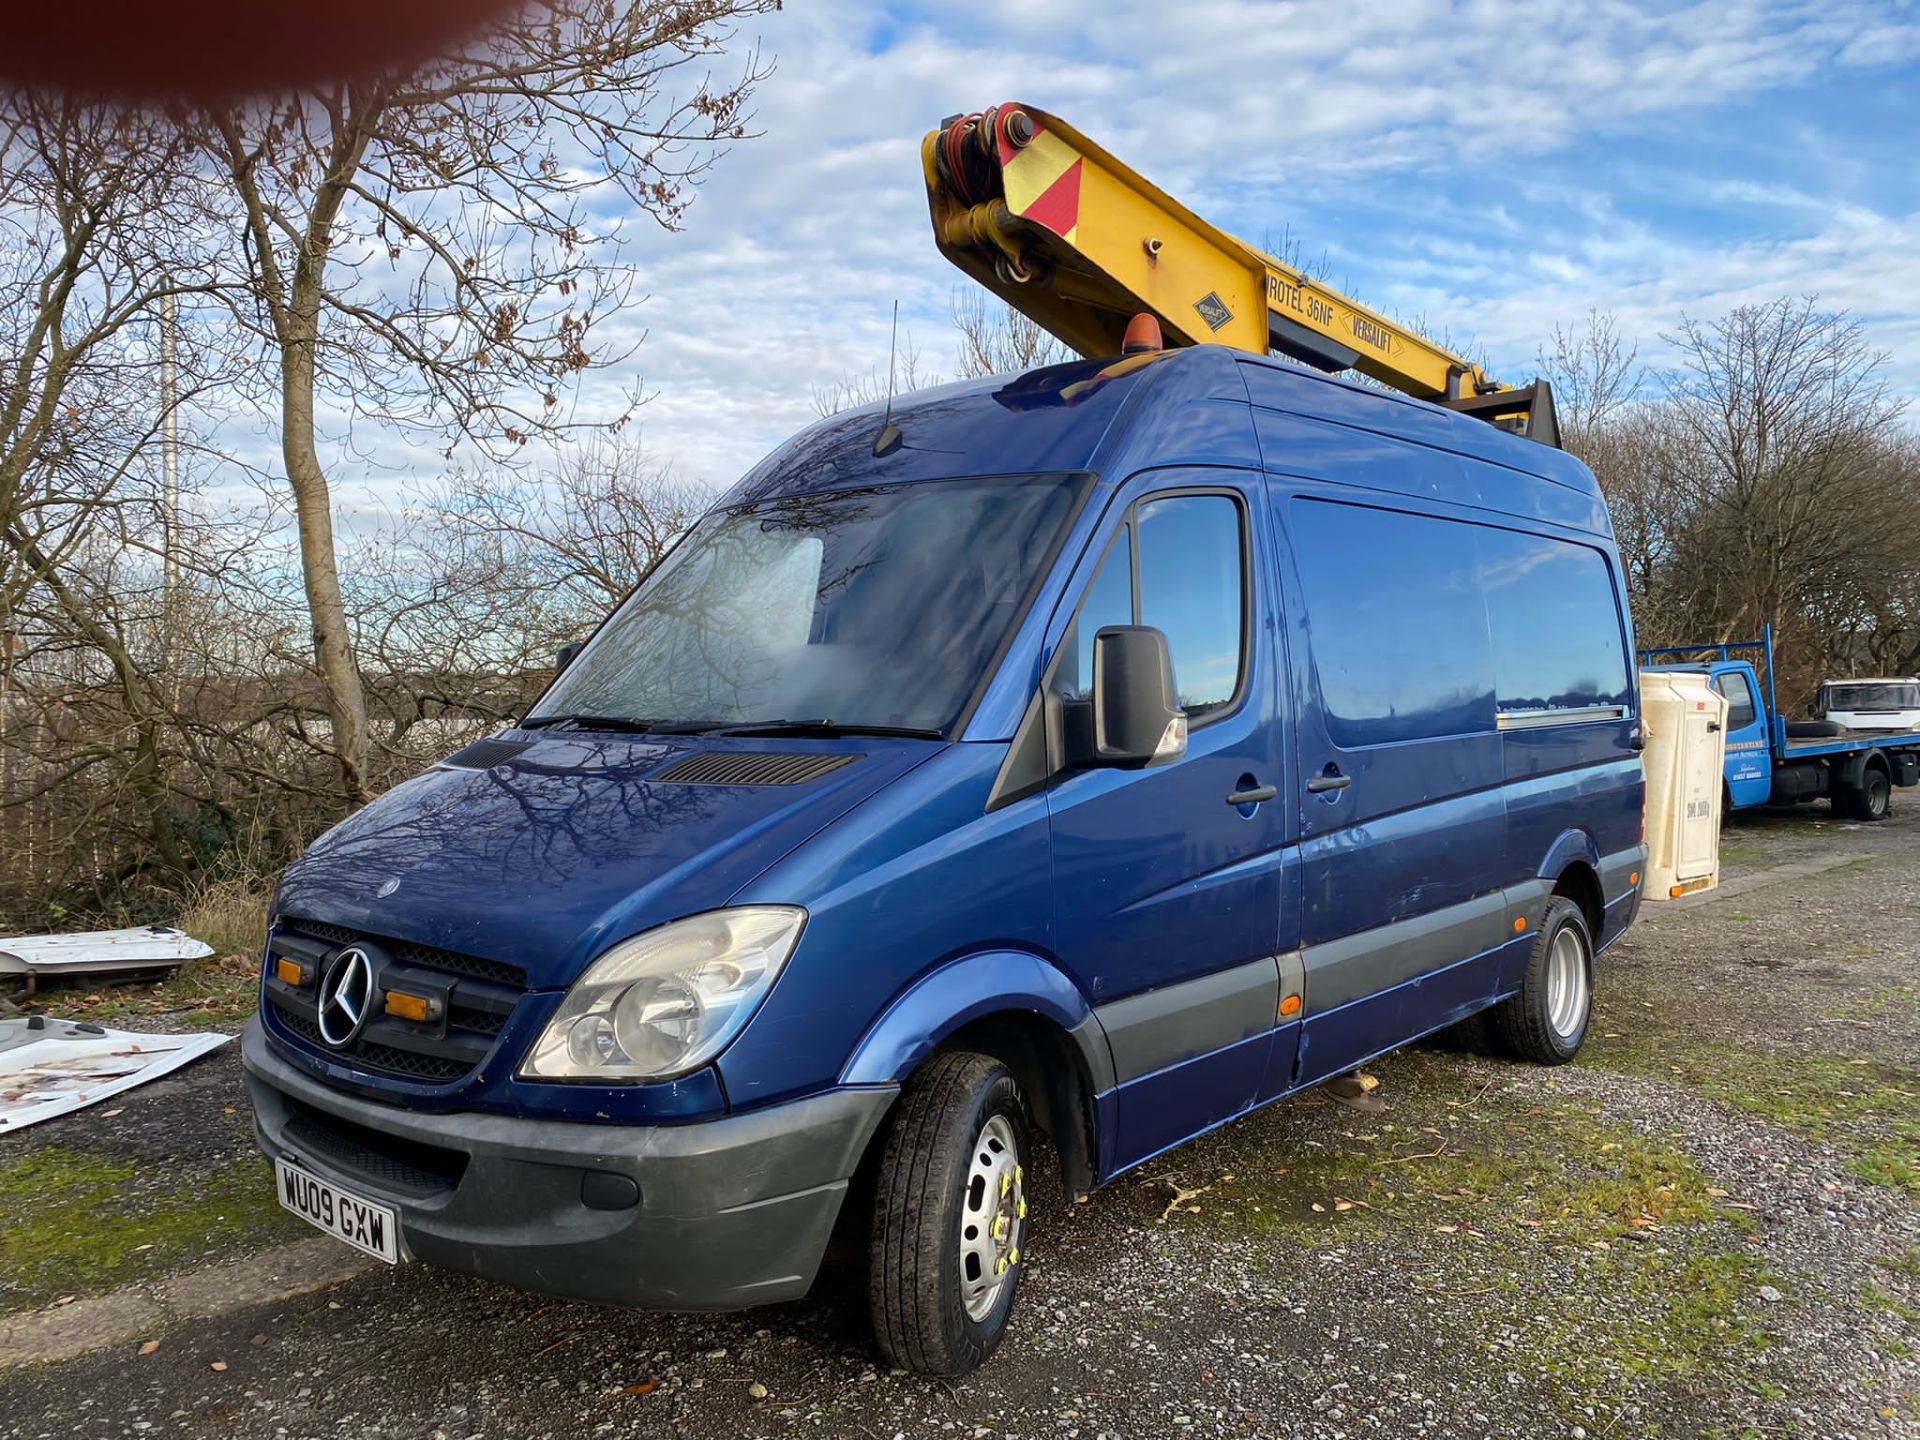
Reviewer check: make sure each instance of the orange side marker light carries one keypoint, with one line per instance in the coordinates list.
(1519, 923)
(409, 1007)
(1289, 1007)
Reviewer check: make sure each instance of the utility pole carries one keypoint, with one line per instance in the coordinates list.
(170, 475)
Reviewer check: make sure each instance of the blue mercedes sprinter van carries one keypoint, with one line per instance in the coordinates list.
(1095, 756)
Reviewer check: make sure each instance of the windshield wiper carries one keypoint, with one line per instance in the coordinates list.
(826, 729)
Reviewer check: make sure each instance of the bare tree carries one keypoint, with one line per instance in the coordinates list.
(514, 568)
(995, 337)
(98, 225)
(906, 370)
(428, 250)
(1774, 419)
(1596, 376)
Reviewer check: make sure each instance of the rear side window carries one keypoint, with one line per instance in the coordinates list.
(1178, 564)
(1423, 627)
(1740, 708)
(1557, 642)
(1398, 625)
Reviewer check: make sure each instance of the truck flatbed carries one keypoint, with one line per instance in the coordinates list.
(1853, 742)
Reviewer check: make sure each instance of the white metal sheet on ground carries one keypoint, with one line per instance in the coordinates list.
(50, 1067)
(143, 947)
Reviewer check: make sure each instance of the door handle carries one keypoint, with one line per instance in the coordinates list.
(1255, 796)
(1320, 784)
(1713, 727)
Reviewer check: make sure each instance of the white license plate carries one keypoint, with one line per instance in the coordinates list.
(361, 1223)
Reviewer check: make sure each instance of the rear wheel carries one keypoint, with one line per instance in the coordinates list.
(1872, 801)
(1547, 1021)
(950, 1216)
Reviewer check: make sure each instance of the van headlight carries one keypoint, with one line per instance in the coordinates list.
(668, 1001)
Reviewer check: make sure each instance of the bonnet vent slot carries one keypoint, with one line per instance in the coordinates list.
(723, 768)
(485, 754)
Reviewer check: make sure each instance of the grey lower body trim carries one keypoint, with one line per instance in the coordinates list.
(723, 1213)
(1615, 868)
(1152, 1031)
(1091, 1041)
(1371, 961)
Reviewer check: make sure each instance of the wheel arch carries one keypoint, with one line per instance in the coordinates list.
(1572, 868)
(1024, 1012)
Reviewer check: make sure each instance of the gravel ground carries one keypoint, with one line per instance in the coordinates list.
(1709, 1226)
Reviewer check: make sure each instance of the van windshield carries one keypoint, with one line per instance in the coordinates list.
(878, 607)
(1887, 695)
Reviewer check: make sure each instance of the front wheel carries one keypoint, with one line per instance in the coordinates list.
(1547, 1021)
(950, 1216)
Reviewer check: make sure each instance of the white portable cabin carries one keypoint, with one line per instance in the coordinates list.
(1685, 720)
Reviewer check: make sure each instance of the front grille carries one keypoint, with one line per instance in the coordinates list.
(371, 1055)
(723, 767)
(476, 998)
(387, 1161)
(408, 953)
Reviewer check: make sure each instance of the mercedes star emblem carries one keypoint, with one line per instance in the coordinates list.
(346, 994)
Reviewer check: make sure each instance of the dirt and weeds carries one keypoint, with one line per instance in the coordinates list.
(1708, 1226)
(217, 993)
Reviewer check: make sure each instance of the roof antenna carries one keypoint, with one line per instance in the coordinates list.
(889, 438)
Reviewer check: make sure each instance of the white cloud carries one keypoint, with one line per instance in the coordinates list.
(1458, 161)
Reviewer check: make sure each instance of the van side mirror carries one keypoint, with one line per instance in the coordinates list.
(1136, 719)
(568, 653)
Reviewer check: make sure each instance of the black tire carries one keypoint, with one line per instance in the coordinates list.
(1524, 1023)
(1872, 801)
(921, 1200)
(1814, 730)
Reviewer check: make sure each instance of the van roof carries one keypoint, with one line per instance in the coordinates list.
(1099, 414)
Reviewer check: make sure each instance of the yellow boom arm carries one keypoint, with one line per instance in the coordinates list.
(1079, 242)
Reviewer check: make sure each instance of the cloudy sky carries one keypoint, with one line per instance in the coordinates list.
(1491, 167)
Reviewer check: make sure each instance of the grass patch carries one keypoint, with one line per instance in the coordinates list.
(1906, 1263)
(1742, 852)
(1869, 1109)
(77, 1223)
(1875, 1298)
(1689, 1317)
(1486, 1163)
(1890, 1001)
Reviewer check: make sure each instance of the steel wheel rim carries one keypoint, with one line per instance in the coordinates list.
(993, 1217)
(1566, 983)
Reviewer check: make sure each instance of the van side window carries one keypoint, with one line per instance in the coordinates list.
(1398, 622)
(1192, 589)
(1108, 601)
(1557, 640)
(1740, 708)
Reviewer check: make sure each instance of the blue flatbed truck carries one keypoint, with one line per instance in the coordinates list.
(1771, 760)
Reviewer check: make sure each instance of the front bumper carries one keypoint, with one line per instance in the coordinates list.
(711, 1215)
